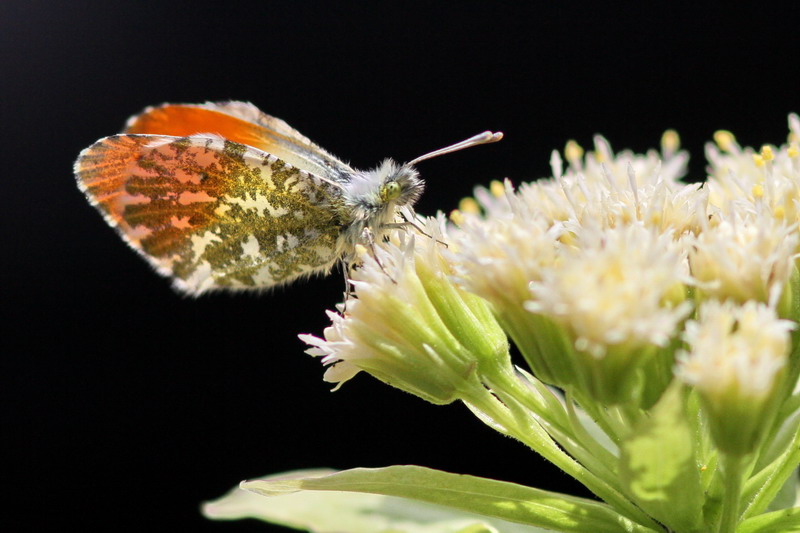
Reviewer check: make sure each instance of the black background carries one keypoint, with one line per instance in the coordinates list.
(125, 405)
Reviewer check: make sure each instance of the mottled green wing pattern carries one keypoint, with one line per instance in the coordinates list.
(213, 213)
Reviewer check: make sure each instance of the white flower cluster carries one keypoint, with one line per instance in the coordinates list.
(613, 251)
(737, 361)
(664, 312)
(603, 243)
(410, 326)
(598, 247)
(610, 288)
(735, 346)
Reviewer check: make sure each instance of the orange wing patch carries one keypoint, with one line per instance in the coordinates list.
(211, 212)
(153, 188)
(183, 121)
(238, 122)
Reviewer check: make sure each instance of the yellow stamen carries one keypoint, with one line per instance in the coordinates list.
(573, 151)
(497, 189)
(670, 141)
(767, 153)
(793, 150)
(457, 217)
(724, 139)
(656, 219)
(469, 206)
(758, 190)
(567, 238)
(758, 160)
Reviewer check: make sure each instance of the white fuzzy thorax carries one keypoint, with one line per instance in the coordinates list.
(368, 207)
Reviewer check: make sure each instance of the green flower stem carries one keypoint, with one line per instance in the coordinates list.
(789, 402)
(789, 407)
(586, 451)
(733, 473)
(558, 423)
(511, 389)
(793, 368)
(765, 490)
(534, 391)
(705, 451)
(597, 450)
(611, 425)
(519, 424)
(629, 415)
(525, 342)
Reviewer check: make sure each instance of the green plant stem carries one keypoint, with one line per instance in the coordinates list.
(781, 469)
(560, 422)
(524, 427)
(732, 472)
(789, 407)
(596, 449)
(610, 425)
(558, 418)
(629, 414)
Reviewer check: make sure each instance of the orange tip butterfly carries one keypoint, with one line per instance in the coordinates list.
(223, 196)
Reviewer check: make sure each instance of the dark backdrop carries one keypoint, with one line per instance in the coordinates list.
(125, 405)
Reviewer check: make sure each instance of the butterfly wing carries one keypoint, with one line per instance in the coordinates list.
(213, 213)
(244, 123)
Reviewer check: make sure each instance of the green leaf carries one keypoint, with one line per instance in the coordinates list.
(784, 521)
(477, 496)
(786, 496)
(658, 465)
(334, 512)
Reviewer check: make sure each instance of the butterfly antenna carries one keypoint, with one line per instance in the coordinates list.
(482, 138)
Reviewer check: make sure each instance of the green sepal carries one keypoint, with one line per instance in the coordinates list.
(468, 318)
(545, 345)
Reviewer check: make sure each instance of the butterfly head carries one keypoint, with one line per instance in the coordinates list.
(375, 194)
(399, 185)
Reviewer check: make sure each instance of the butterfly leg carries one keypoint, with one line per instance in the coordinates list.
(370, 240)
(348, 291)
(406, 222)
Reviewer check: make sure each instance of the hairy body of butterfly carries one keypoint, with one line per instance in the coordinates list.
(223, 196)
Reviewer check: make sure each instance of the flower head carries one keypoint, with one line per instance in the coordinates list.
(619, 294)
(607, 233)
(744, 257)
(614, 190)
(496, 256)
(764, 181)
(736, 360)
(615, 287)
(410, 326)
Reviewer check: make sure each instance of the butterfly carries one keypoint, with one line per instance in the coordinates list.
(224, 196)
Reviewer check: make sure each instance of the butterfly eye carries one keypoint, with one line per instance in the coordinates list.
(390, 191)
